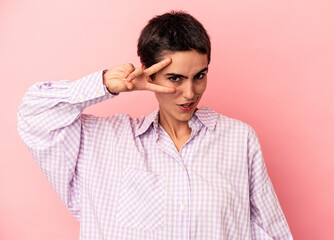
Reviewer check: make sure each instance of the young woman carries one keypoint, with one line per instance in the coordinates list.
(180, 173)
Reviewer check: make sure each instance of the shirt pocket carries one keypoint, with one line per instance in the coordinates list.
(141, 202)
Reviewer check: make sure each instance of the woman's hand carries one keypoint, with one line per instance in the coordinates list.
(126, 77)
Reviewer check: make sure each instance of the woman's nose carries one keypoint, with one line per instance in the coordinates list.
(188, 90)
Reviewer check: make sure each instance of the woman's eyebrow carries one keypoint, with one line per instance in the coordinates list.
(175, 75)
(182, 76)
(203, 70)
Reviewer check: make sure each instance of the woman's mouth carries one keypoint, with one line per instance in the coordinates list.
(187, 106)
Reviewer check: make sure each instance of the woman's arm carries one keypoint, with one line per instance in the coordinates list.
(59, 136)
(51, 125)
(267, 218)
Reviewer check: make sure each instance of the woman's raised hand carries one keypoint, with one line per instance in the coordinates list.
(126, 77)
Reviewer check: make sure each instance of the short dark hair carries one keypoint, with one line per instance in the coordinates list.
(171, 32)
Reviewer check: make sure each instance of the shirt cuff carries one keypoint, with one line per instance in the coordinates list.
(89, 88)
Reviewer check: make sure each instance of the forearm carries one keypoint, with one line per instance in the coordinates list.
(48, 107)
(267, 217)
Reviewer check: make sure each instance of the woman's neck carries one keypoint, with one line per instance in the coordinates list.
(179, 131)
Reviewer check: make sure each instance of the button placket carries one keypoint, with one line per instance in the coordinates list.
(183, 166)
(183, 197)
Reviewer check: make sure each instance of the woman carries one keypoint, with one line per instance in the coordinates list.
(180, 173)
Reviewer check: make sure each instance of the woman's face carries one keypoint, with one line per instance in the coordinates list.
(187, 73)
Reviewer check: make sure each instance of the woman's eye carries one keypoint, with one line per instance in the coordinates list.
(200, 76)
(174, 78)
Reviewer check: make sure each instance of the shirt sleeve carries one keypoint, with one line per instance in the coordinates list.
(267, 218)
(57, 134)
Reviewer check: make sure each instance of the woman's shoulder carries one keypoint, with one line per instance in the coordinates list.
(227, 123)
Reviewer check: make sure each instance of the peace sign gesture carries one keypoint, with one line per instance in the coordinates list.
(126, 77)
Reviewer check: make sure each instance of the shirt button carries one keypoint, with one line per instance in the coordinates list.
(183, 207)
(82, 96)
(193, 119)
(97, 92)
(183, 167)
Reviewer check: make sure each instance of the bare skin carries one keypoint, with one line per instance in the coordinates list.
(179, 80)
(126, 77)
(188, 75)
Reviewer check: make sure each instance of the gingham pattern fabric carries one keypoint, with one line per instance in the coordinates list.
(123, 178)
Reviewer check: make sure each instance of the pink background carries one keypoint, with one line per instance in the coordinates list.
(272, 67)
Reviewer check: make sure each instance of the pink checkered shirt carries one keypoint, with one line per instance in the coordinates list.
(123, 178)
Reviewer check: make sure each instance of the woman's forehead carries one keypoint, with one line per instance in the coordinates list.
(186, 62)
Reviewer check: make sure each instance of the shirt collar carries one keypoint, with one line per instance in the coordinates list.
(205, 115)
(208, 117)
(153, 118)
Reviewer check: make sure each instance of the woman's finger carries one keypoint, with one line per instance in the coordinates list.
(128, 68)
(129, 85)
(157, 67)
(158, 88)
(136, 73)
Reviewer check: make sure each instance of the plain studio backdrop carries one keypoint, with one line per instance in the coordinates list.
(272, 67)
